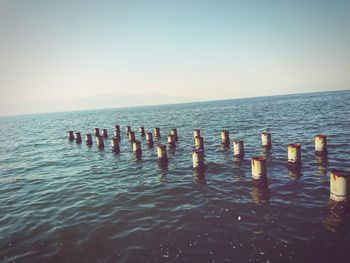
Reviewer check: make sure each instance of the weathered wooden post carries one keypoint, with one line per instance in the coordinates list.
(294, 156)
(149, 139)
(131, 136)
(199, 143)
(338, 199)
(156, 132)
(99, 142)
(259, 171)
(173, 131)
(198, 159)
(115, 145)
(88, 139)
(97, 131)
(339, 191)
(171, 140)
(321, 145)
(266, 139)
(117, 134)
(136, 148)
(142, 131)
(225, 138)
(196, 133)
(161, 152)
(238, 149)
(104, 133)
(78, 137)
(70, 135)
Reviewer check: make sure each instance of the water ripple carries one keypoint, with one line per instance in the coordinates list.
(64, 202)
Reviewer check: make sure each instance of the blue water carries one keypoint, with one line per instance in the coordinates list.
(64, 202)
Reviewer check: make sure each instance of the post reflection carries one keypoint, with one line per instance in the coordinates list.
(333, 223)
(322, 163)
(260, 194)
(137, 156)
(150, 144)
(238, 165)
(225, 147)
(266, 151)
(294, 172)
(335, 218)
(198, 176)
(238, 161)
(171, 149)
(163, 168)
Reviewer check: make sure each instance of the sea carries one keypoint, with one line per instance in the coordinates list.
(61, 201)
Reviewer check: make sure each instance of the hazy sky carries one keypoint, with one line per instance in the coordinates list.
(65, 55)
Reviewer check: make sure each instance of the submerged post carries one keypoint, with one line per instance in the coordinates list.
(161, 152)
(294, 156)
(173, 131)
(266, 139)
(128, 129)
(117, 127)
(199, 143)
(196, 133)
(70, 135)
(198, 159)
(321, 145)
(149, 138)
(142, 131)
(171, 140)
(99, 142)
(338, 200)
(156, 132)
(115, 145)
(88, 139)
(78, 137)
(238, 149)
(105, 133)
(97, 131)
(259, 171)
(225, 138)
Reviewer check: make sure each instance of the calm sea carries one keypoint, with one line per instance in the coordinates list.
(64, 202)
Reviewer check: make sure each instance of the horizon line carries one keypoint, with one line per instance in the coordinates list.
(164, 104)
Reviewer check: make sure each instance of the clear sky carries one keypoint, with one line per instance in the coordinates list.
(71, 55)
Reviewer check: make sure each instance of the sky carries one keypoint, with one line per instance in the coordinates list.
(74, 55)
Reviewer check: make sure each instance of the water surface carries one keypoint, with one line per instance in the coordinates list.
(63, 202)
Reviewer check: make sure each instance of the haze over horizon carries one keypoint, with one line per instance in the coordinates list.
(73, 55)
